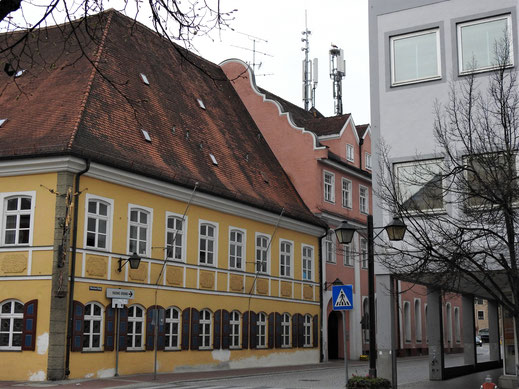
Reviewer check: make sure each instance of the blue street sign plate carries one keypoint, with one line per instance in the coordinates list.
(342, 297)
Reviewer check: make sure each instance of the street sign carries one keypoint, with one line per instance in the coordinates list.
(119, 303)
(119, 293)
(342, 297)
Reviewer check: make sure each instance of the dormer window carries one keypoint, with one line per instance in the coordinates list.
(368, 161)
(215, 162)
(146, 135)
(201, 103)
(2, 121)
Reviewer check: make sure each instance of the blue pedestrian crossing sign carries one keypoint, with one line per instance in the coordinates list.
(342, 297)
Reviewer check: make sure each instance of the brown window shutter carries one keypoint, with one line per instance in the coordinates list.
(78, 315)
(149, 329)
(226, 329)
(186, 315)
(109, 328)
(195, 329)
(294, 330)
(315, 328)
(271, 331)
(300, 330)
(245, 330)
(253, 330)
(217, 329)
(123, 328)
(30, 313)
(161, 333)
(278, 330)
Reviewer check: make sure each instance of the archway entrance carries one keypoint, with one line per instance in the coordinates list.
(333, 338)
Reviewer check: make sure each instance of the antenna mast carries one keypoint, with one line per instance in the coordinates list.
(309, 74)
(254, 39)
(337, 73)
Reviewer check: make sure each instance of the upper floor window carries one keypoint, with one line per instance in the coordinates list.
(175, 237)
(307, 331)
(235, 329)
(172, 330)
(368, 161)
(363, 199)
(236, 249)
(364, 253)
(98, 222)
(485, 44)
(285, 330)
(135, 334)
(415, 57)
(285, 258)
(93, 326)
(420, 185)
(139, 234)
(329, 248)
(350, 153)
(207, 244)
(11, 325)
(262, 330)
(329, 187)
(17, 220)
(205, 328)
(262, 254)
(308, 262)
(346, 193)
(348, 254)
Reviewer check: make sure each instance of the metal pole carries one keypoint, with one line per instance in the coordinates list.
(345, 346)
(117, 342)
(371, 301)
(155, 336)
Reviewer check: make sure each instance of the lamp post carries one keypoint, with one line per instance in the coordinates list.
(134, 260)
(395, 231)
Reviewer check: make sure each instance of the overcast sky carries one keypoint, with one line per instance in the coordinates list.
(280, 22)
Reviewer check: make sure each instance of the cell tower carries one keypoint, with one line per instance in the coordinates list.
(309, 71)
(337, 73)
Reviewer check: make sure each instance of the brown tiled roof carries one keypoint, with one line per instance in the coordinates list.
(62, 106)
(312, 120)
(361, 129)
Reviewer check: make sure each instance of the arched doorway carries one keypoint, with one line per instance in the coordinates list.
(333, 339)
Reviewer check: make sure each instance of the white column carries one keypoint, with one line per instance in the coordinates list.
(386, 331)
(435, 331)
(469, 335)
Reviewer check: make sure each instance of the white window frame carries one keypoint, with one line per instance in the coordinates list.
(363, 252)
(329, 242)
(457, 325)
(368, 161)
(3, 213)
(235, 333)
(12, 316)
(171, 333)
(286, 258)
(138, 224)
(93, 318)
(347, 258)
(243, 246)
(482, 314)
(407, 322)
(131, 336)
(307, 331)
(262, 330)
(307, 262)
(173, 231)
(214, 239)
(206, 330)
(346, 192)
(256, 262)
(364, 200)
(350, 153)
(285, 330)
(109, 221)
(329, 188)
(510, 38)
(392, 41)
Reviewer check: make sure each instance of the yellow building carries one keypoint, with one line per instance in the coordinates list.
(154, 158)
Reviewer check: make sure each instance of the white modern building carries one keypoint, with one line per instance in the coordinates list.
(417, 48)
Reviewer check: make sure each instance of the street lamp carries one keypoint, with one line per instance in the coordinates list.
(134, 260)
(337, 282)
(395, 231)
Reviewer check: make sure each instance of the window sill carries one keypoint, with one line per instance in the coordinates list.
(329, 201)
(93, 351)
(235, 348)
(417, 81)
(348, 207)
(11, 350)
(140, 350)
(173, 349)
(205, 348)
(285, 347)
(462, 73)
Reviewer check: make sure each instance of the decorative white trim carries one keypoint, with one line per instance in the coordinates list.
(29, 263)
(26, 248)
(344, 169)
(24, 278)
(27, 166)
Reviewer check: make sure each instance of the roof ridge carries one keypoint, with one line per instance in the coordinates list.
(94, 64)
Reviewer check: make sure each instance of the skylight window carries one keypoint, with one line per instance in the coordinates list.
(2, 121)
(201, 103)
(146, 135)
(145, 79)
(19, 73)
(215, 162)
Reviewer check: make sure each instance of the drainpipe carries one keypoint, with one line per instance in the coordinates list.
(361, 142)
(321, 285)
(73, 268)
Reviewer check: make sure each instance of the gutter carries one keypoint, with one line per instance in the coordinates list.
(73, 268)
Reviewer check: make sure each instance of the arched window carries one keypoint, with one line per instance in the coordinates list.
(135, 335)
(448, 322)
(407, 322)
(205, 329)
(418, 320)
(172, 331)
(17, 220)
(426, 320)
(457, 329)
(92, 327)
(307, 331)
(262, 330)
(285, 330)
(235, 329)
(11, 325)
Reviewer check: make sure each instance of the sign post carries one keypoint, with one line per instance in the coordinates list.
(342, 300)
